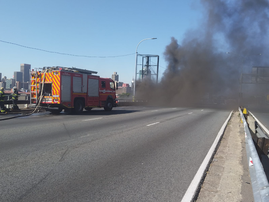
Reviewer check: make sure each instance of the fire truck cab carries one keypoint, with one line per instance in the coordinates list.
(58, 88)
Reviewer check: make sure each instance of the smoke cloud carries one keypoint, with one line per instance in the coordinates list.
(208, 62)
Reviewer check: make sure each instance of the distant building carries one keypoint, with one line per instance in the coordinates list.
(0, 76)
(10, 83)
(3, 84)
(120, 84)
(115, 77)
(125, 85)
(125, 88)
(25, 69)
(3, 79)
(18, 85)
(18, 76)
(25, 86)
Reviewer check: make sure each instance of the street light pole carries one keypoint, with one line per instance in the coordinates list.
(136, 55)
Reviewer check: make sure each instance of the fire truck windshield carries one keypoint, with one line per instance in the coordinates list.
(112, 86)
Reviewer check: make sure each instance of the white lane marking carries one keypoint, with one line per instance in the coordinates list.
(191, 191)
(85, 136)
(155, 110)
(153, 124)
(190, 113)
(93, 119)
(202, 110)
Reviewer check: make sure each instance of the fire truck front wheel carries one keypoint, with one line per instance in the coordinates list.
(109, 105)
(78, 107)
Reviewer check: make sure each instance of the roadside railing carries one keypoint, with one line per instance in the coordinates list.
(261, 137)
(22, 99)
(260, 185)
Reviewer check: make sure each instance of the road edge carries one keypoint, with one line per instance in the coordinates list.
(195, 183)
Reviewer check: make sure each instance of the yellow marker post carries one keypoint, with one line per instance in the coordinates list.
(245, 112)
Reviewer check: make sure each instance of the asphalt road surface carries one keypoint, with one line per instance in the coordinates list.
(128, 154)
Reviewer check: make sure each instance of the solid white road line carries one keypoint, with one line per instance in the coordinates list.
(93, 119)
(191, 191)
(153, 124)
(190, 113)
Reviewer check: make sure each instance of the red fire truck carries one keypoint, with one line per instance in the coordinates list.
(57, 88)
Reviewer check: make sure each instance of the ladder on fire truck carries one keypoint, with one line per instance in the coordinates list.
(34, 86)
(74, 69)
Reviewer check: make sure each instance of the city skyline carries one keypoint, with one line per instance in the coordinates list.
(30, 69)
(22, 81)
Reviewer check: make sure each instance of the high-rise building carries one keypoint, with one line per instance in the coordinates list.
(10, 83)
(25, 69)
(18, 76)
(18, 85)
(3, 79)
(0, 76)
(2, 84)
(115, 77)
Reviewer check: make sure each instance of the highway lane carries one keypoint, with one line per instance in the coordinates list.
(131, 154)
(262, 116)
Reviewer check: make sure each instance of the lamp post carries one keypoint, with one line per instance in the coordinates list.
(136, 54)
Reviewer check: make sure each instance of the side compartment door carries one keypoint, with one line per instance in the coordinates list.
(84, 87)
(77, 85)
(93, 92)
(66, 89)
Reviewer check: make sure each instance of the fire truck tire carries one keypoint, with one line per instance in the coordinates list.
(88, 108)
(78, 107)
(109, 105)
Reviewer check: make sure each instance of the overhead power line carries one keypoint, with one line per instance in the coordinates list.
(60, 53)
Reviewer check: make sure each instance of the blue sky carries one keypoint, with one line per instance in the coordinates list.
(98, 28)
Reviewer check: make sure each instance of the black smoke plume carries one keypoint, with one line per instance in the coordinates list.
(208, 62)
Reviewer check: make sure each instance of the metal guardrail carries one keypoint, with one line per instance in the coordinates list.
(261, 137)
(22, 99)
(260, 185)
